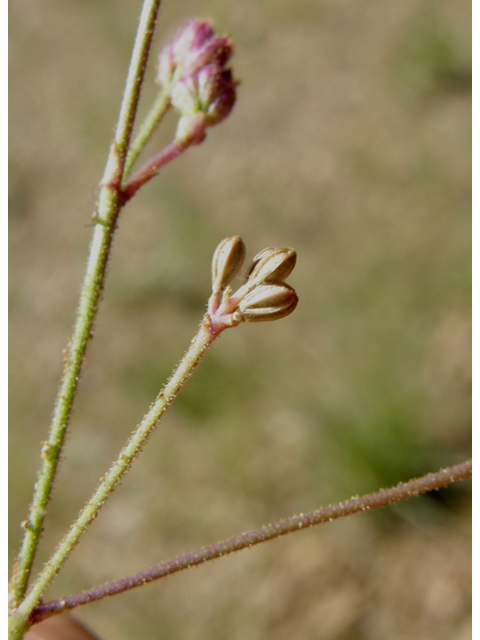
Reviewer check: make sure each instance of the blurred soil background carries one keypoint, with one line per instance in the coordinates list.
(350, 142)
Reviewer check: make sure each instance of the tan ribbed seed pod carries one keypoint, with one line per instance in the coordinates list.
(267, 302)
(272, 265)
(227, 262)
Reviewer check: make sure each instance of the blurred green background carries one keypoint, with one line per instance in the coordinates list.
(350, 142)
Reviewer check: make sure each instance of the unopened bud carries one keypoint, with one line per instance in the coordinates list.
(192, 37)
(211, 91)
(192, 71)
(216, 92)
(267, 302)
(166, 66)
(272, 265)
(192, 130)
(227, 262)
(215, 50)
(183, 50)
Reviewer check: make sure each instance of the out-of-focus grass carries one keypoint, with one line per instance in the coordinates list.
(350, 142)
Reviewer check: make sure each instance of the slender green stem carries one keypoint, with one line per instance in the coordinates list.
(204, 338)
(136, 74)
(108, 207)
(151, 122)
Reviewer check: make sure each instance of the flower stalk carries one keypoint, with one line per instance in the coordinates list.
(198, 56)
(152, 168)
(215, 95)
(108, 207)
(226, 263)
(382, 498)
(189, 362)
(159, 108)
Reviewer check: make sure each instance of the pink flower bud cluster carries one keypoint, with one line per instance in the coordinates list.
(192, 69)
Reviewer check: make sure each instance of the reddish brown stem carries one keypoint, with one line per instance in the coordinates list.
(382, 498)
(151, 168)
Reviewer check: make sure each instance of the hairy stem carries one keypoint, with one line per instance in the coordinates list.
(204, 338)
(108, 207)
(382, 498)
(151, 122)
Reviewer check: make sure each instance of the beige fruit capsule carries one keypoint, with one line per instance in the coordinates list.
(267, 302)
(272, 265)
(227, 262)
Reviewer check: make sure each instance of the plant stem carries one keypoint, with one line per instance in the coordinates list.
(136, 74)
(108, 207)
(151, 168)
(151, 122)
(296, 523)
(204, 338)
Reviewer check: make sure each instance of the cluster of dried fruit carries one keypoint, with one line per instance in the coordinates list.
(263, 297)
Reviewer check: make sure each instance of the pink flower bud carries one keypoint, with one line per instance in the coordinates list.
(174, 56)
(194, 46)
(217, 50)
(166, 66)
(216, 92)
(211, 92)
(193, 35)
(192, 68)
(192, 129)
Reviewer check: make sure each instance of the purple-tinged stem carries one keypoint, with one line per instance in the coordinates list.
(151, 168)
(382, 498)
